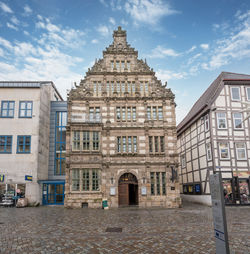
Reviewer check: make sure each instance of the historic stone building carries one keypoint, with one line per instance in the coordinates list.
(121, 134)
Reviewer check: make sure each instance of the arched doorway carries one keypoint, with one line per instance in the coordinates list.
(128, 190)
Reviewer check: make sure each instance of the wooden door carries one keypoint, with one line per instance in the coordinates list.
(123, 194)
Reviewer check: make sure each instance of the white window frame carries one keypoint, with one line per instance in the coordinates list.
(227, 148)
(209, 151)
(206, 122)
(248, 97)
(236, 118)
(221, 118)
(183, 161)
(237, 99)
(238, 149)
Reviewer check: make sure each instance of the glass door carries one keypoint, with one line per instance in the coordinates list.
(53, 193)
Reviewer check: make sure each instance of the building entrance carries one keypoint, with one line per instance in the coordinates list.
(53, 193)
(128, 190)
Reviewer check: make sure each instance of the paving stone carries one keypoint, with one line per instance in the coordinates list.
(156, 230)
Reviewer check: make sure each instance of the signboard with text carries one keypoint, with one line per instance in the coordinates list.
(219, 215)
(28, 178)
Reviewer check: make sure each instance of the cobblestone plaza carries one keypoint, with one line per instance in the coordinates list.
(155, 230)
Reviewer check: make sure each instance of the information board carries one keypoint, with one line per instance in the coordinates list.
(219, 215)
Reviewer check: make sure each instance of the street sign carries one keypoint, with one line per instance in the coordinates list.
(219, 215)
(28, 178)
(1, 178)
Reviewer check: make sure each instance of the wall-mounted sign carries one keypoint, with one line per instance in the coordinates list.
(144, 190)
(1, 178)
(112, 191)
(28, 178)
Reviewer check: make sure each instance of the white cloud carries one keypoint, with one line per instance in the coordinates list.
(165, 75)
(112, 20)
(27, 10)
(15, 21)
(204, 46)
(161, 52)
(191, 49)
(94, 41)
(11, 26)
(26, 32)
(6, 43)
(148, 11)
(1, 52)
(236, 46)
(5, 8)
(124, 22)
(103, 30)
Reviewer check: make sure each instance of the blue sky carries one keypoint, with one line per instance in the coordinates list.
(187, 42)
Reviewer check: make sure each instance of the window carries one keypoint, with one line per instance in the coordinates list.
(127, 144)
(224, 150)
(248, 93)
(128, 65)
(23, 144)
(235, 93)
(183, 161)
(94, 114)
(133, 87)
(124, 113)
(7, 109)
(158, 183)
(237, 118)
(118, 88)
(241, 151)
(118, 65)
(154, 113)
(25, 109)
(85, 180)
(123, 87)
(76, 141)
(86, 141)
(221, 121)
(209, 152)
(75, 184)
(107, 88)
(112, 65)
(206, 123)
(123, 65)
(129, 87)
(5, 144)
(60, 131)
(156, 144)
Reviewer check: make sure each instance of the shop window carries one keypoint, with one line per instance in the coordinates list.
(241, 151)
(5, 144)
(235, 93)
(7, 109)
(238, 121)
(224, 150)
(23, 144)
(244, 191)
(221, 121)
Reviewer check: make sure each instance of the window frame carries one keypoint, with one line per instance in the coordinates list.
(236, 118)
(209, 150)
(24, 144)
(248, 97)
(206, 122)
(5, 144)
(237, 150)
(8, 109)
(231, 89)
(26, 109)
(220, 150)
(221, 118)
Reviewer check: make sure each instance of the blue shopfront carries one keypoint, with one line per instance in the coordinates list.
(53, 192)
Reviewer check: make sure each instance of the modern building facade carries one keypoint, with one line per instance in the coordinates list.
(121, 134)
(214, 136)
(24, 136)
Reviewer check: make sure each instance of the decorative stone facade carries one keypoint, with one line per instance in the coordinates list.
(121, 134)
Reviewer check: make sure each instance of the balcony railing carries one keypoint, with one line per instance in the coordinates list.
(85, 118)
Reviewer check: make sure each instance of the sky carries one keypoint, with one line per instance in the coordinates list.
(188, 43)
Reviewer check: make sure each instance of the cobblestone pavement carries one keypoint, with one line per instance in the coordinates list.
(156, 230)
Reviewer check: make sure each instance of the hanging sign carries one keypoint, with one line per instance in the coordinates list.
(28, 178)
(1, 178)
